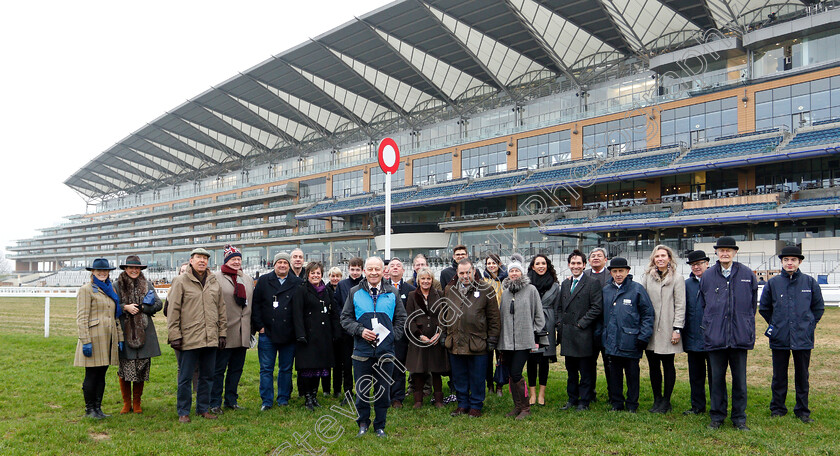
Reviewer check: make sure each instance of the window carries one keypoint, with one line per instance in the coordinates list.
(347, 184)
(484, 160)
(377, 179)
(615, 136)
(798, 105)
(700, 122)
(432, 170)
(313, 189)
(544, 150)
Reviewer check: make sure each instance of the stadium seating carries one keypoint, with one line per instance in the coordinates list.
(630, 216)
(814, 138)
(440, 192)
(723, 209)
(318, 208)
(569, 221)
(813, 202)
(347, 204)
(636, 163)
(757, 146)
(559, 174)
(396, 197)
(492, 184)
(652, 149)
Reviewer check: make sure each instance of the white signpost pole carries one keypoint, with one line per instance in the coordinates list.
(47, 316)
(388, 216)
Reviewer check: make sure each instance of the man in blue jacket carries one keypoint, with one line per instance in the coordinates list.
(371, 305)
(698, 359)
(628, 327)
(728, 294)
(792, 304)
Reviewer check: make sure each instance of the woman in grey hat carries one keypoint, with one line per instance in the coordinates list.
(139, 303)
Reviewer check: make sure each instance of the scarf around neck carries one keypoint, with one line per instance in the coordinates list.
(239, 294)
(108, 289)
(543, 282)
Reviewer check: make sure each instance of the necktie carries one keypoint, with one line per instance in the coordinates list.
(574, 284)
(725, 272)
(374, 293)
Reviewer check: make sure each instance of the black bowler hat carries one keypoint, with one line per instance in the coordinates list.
(101, 264)
(697, 255)
(726, 242)
(791, 251)
(133, 261)
(618, 262)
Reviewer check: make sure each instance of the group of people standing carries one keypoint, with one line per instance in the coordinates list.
(368, 330)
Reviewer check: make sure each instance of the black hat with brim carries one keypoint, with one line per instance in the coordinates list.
(726, 242)
(133, 261)
(618, 262)
(791, 251)
(697, 255)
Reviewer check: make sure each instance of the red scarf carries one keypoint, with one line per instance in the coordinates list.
(239, 289)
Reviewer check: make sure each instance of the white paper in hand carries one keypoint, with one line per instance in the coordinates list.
(381, 331)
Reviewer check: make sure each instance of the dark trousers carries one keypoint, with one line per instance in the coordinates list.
(594, 374)
(343, 370)
(373, 383)
(537, 369)
(515, 361)
(621, 368)
(93, 386)
(468, 376)
(736, 360)
(205, 359)
(232, 360)
(398, 387)
(661, 368)
(698, 369)
(580, 380)
(779, 385)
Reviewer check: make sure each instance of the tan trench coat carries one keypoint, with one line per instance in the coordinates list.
(667, 295)
(238, 318)
(97, 326)
(196, 314)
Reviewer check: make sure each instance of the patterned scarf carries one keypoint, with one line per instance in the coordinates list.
(108, 289)
(239, 294)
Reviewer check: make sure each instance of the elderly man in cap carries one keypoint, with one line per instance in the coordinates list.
(792, 305)
(692, 334)
(728, 295)
(197, 323)
(628, 327)
(274, 296)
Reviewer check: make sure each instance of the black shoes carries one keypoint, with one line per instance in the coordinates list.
(715, 424)
(216, 410)
(568, 405)
(380, 433)
(694, 411)
(806, 419)
(582, 407)
(235, 407)
(657, 402)
(741, 426)
(362, 431)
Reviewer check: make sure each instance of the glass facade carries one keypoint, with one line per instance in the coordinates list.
(798, 105)
(614, 137)
(348, 184)
(377, 179)
(313, 189)
(432, 170)
(544, 150)
(797, 53)
(484, 160)
(699, 122)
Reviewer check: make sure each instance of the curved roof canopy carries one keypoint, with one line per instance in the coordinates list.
(397, 68)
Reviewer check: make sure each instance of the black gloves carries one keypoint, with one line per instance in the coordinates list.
(222, 343)
(641, 344)
(176, 344)
(491, 347)
(301, 339)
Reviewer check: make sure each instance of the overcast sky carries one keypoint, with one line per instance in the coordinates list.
(79, 76)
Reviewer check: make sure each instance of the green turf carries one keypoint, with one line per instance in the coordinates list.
(41, 412)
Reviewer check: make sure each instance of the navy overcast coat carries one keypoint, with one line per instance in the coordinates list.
(729, 307)
(794, 306)
(628, 319)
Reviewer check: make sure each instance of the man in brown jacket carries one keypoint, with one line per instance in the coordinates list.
(197, 323)
(472, 330)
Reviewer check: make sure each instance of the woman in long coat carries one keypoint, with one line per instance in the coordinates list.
(544, 278)
(667, 296)
(521, 314)
(316, 328)
(494, 273)
(238, 293)
(426, 354)
(139, 303)
(100, 337)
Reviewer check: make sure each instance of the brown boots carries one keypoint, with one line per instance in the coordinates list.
(125, 389)
(131, 403)
(521, 407)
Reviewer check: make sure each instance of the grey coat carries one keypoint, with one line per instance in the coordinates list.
(525, 318)
(151, 348)
(550, 306)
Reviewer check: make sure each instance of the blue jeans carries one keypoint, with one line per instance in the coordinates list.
(269, 352)
(205, 360)
(232, 360)
(378, 378)
(468, 373)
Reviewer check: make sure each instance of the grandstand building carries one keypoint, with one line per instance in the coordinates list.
(523, 125)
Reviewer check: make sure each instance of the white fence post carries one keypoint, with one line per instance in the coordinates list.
(47, 316)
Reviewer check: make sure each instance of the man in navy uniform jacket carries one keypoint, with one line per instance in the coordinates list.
(728, 293)
(792, 304)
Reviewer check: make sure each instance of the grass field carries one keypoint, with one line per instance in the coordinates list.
(41, 410)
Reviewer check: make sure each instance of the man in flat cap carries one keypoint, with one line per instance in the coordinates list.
(792, 305)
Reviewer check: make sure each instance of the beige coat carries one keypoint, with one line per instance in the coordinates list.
(667, 295)
(196, 314)
(97, 326)
(238, 318)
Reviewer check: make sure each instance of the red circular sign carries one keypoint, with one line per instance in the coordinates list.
(389, 156)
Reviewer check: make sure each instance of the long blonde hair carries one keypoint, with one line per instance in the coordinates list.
(672, 264)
